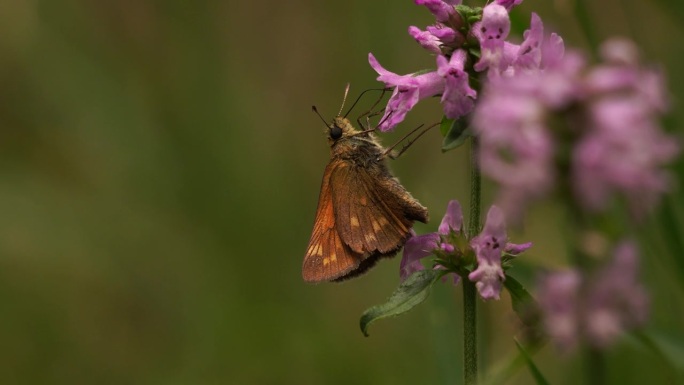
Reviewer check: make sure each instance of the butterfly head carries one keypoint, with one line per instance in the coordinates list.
(340, 128)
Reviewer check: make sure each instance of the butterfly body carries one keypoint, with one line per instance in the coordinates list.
(364, 213)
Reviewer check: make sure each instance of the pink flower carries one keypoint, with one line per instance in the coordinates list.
(426, 39)
(508, 4)
(489, 247)
(623, 150)
(596, 309)
(458, 97)
(421, 246)
(441, 9)
(492, 31)
(408, 90)
(450, 80)
(517, 148)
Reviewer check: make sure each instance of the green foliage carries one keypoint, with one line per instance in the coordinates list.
(412, 292)
(455, 132)
(536, 373)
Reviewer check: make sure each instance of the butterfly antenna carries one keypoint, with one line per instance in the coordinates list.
(359, 98)
(314, 109)
(346, 92)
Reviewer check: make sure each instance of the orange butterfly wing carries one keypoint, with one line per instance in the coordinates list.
(327, 257)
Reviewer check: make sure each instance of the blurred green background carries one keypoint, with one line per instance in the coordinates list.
(159, 172)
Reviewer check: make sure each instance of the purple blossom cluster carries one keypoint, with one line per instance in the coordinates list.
(596, 309)
(544, 118)
(535, 97)
(449, 243)
(606, 122)
(449, 39)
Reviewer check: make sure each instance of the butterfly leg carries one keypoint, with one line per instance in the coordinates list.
(389, 152)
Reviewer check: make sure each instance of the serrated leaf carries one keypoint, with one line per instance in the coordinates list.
(456, 134)
(413, 291)
(536, 373)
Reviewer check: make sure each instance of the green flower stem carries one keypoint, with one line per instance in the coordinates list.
(469, 333)
(475, 188)
(469, 290)
(595, 366)
(587, 27)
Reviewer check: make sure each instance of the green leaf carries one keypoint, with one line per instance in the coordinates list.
(668, 349)
(455, 133)
(445, 125)
(527, 309)
(520, 297)
(414, 290)
(666, 232)
(536, 374)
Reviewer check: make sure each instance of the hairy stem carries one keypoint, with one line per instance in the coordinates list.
(469, 290)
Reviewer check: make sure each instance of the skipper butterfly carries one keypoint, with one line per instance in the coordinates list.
(364, 213)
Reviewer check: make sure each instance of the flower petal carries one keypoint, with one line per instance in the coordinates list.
(416, 248)
(453, 218)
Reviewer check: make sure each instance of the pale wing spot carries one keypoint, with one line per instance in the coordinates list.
(383, 221)
(354, 221)
(326, 261)
(333, 257)
(370, 238)
(376, 225)
(363, 200)
(319, 250)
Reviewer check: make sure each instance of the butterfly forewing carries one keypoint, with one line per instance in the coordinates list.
(327, 257)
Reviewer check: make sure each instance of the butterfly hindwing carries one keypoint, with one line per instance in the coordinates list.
(368, 218)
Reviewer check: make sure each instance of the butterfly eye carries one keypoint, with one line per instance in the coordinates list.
(335, 132)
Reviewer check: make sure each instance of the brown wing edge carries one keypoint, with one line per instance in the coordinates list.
(319, 265)
(369, 262)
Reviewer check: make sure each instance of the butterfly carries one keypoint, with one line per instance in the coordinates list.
(364, 214)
